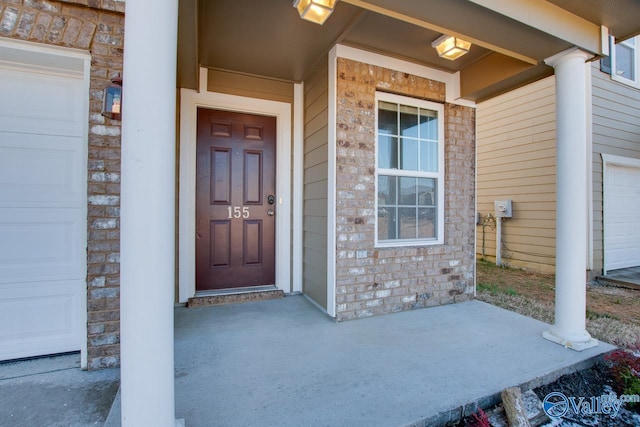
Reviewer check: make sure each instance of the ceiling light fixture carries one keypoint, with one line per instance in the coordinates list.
(451, 47)
(316, 11)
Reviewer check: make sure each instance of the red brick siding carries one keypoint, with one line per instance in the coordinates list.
(374, 281)
(96, 26)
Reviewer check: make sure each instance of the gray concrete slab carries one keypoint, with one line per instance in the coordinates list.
(627, 277)
(284, 363)
(54, 391)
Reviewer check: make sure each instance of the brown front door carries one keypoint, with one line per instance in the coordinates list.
(235, 200)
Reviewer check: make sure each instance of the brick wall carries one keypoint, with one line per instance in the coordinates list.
(96, 26)
(374, 281)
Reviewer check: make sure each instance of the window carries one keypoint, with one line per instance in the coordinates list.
(409, 171)
(624, 61)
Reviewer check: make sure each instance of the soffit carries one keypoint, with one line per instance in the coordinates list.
(406, 41)
(622, 17)
(479, 24)
(267, 38)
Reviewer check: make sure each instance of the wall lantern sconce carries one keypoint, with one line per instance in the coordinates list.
(112, 99)
(316, 11)
(451, 47)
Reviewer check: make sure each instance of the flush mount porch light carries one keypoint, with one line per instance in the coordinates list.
(316, 11)
(451, 47)
(112, 99)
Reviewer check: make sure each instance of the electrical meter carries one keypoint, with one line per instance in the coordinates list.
(503, 208)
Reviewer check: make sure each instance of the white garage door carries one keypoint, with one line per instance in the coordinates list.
(43, 123)
(621, 217)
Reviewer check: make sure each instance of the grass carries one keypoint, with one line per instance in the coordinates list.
(613, 314)
(494, 290)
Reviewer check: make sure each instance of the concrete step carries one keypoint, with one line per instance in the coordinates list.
(496, 414)
(235, 296)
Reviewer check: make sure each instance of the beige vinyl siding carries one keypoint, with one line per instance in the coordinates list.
(616, 131)
(250, 86)
(316, 100)
(516, 160)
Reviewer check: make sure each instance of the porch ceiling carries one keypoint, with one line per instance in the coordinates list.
(510, 39)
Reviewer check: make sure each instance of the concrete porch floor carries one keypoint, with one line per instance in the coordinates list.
(284, 363)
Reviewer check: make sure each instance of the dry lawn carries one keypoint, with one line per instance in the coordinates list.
(613, 314)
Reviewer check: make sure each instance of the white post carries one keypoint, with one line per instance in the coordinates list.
(571, 201)
(498, 241)
(148, 213)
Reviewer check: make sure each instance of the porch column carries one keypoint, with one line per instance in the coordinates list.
(148, 213)
(571, 201)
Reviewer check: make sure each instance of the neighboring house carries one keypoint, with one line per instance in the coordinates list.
(517, 161)
(335, 160)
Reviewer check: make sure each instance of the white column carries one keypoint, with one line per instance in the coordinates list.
(571, 201)
(498, 241)
(148, 213)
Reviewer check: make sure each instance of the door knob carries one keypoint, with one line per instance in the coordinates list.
(271, 212)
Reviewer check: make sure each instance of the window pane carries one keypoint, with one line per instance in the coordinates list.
(387, 223)
(427, 223)
(407, 204)
(408, 121)
(408, 190)
(429, 156)
(624, 62)
(429, 125)
(407, 223)
(387, 118)
(387, 152)
(426, 191)
(409, 154)
(387, 190)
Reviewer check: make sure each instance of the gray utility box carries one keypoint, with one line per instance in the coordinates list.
(503, 208)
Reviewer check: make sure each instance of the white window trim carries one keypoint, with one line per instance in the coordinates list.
(636, 58)
(440, 175)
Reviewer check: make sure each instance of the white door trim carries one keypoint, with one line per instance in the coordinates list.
(298, 186)
(66, 61)
(190, 100)
(331, 183)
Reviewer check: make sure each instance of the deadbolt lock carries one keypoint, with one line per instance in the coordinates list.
(271, 199)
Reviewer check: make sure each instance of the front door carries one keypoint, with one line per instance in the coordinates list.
(235, 200)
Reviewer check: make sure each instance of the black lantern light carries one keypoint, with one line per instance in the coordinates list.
(112, 99)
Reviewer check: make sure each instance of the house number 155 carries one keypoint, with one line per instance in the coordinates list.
(238, 212)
